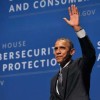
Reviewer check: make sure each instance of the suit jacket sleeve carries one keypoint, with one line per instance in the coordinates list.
(88, 52)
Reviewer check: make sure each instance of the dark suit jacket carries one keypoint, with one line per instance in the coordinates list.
(76, 77)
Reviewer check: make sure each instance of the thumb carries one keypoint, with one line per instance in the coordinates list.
(66, 20)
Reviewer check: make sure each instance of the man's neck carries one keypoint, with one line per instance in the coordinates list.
(65, 63)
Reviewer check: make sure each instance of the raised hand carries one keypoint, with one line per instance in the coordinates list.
(74, 17)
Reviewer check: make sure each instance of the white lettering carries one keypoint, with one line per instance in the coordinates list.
(25, 6)
(11, 55)
(0, 56)
(10, 68)
(36, 65)
(29, 65)
(88, 12)
(98, 44)
(5, 56)
(11, 9)
(29, 53)
(98, 59)
(24, 54)
(50, 2)
(43, 51)
(17, 66)
(57, 2)
(63, 2)
(35, 4)
(17, 54)
(53, 62)
(71, 1)
(14, 44)
(1, 82)
(36, 54)
(80, 0)
(24, 64)
(42, 3)
(4, 67)
(42, 62)
(19, 7)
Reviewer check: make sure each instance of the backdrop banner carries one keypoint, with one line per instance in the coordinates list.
(28, 31)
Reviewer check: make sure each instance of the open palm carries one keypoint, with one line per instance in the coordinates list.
(74, 16)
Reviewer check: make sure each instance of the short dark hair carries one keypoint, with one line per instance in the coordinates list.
(67, 40)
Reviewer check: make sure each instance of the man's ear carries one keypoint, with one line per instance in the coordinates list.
(72, 51)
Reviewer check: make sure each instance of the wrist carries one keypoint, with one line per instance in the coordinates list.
(77, 28)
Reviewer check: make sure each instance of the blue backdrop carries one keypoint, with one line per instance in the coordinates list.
(28, 31)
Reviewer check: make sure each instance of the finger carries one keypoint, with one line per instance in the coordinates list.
(66, 20)
(72, 9)
(77, 12)
(69, 11)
